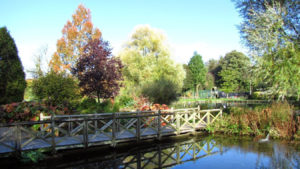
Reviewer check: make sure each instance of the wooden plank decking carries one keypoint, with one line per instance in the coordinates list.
(68, 131)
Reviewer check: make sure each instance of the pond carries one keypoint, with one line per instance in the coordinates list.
(200, 151)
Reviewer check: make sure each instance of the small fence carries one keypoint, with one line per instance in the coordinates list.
(69, 131)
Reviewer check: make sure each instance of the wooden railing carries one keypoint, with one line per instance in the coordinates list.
(68, 131)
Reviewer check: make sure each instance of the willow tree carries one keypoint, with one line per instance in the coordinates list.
(75, 35)
(271, 31)
(146, 59)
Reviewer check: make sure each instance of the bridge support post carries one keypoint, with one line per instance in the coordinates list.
(208, 117)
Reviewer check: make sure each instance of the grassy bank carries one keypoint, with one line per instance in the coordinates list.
(214, 99)
(277, 119)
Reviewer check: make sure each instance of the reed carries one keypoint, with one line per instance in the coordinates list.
(276, 119)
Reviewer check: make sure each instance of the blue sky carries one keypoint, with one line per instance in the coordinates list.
(209, 27)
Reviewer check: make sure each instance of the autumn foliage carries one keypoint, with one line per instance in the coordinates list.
(154, 107)
(98, 71)
(276, 119)
(29, 111)
(75, 35)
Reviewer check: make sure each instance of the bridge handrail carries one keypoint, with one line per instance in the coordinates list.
(103, 116)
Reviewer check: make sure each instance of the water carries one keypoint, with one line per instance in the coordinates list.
(186, 152)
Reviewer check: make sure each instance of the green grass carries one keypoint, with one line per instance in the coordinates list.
(222, 99)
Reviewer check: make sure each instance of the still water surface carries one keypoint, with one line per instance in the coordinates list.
(191, 152)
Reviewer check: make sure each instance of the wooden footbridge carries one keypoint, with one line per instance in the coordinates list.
(70, 131)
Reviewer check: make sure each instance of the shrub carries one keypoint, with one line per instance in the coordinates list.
(89, 106)
(277, 119)
(32, 156)
(12, 83)
(260, 96)
(29, 111)
(154, 107)
(125, 101)
(162, 91)
(56, 88)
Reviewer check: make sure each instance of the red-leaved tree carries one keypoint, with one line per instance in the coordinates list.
(98, 72)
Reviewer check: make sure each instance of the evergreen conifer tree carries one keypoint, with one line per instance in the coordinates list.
(12, 76)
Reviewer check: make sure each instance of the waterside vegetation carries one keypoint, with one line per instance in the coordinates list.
(278, 120)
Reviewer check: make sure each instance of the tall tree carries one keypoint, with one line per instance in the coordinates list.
(76, 34)
(288, 10)
(213, 68)
(98, 72)
(234, 72)
(188, 80)
(271, 31)
(146, 58)
(198, 71)
(12, 83)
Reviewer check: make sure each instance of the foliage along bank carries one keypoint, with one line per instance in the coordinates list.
(278, 120)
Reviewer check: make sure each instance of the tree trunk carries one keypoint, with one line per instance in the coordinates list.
(197, 90)
(250, 88)
(98, 97)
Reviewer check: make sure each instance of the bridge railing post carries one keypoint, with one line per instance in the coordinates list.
(85, 133)
(208, 117)
(177, 123)
(194, 122)
(69, 126)
(159, 123)
(95, 123)
(18, 140)
(53, 134)
(138, 127)
(221, 113)
(113, 134)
